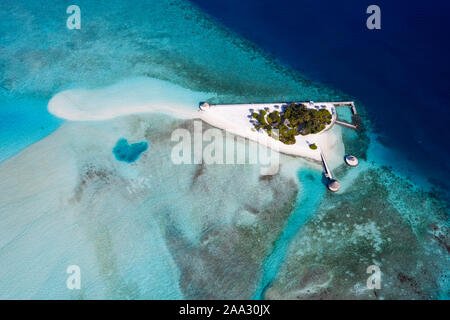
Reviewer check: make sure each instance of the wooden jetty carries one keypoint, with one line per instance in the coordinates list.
(332, 184)
(345, 124)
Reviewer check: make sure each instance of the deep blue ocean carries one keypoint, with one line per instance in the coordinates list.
(400, 73)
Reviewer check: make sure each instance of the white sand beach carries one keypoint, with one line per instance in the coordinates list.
(138, 95)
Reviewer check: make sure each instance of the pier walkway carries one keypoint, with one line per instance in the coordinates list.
(327, 170)
(332, 184)
(345, 124)
(351, 104)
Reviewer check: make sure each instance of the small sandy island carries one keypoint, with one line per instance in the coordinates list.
(151, 95)
(236, 118)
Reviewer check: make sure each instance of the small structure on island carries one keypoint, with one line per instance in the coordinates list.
(333, 185)
(204, 106)
(352, 161)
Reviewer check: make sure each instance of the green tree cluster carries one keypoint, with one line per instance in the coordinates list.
(294, 120)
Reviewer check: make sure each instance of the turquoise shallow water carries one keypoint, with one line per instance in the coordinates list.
(134, 241)
(311, 192)
(344, 114)
(23, 120)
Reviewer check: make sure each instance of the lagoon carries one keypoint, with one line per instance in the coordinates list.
(123, 151)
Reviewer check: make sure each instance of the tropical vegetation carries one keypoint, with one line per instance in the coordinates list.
(295, 119)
